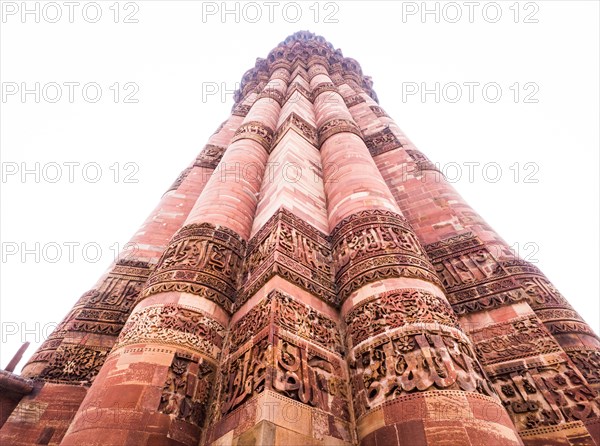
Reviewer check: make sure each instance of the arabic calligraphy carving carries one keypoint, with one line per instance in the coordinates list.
(202, 259)
(376, 244)
(394, 309)
(408, 362)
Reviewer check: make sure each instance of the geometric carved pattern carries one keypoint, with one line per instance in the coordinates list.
(201, 259)
(297, 87)
(394, 309)
(174, 325)
(374, 245)
(558, 314)
(284, 311)
(74, 364)
(563, 327)
(187, 389)
(289, 247)
(382, 142)
(299, 124)
(306, 322)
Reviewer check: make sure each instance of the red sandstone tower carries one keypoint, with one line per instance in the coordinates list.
(311, 279)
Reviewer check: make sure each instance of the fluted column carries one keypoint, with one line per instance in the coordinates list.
(103, 310)
(284, 337)
(519, 323)
(162, 370)
(89, 331)
(416, 379)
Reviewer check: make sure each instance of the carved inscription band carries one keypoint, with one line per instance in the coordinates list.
(256, 131)
(374, 245)
(174, 325)
(286, 347)
(202, 259)
(336, 126)
(293, 249)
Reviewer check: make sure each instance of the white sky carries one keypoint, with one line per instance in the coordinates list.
(171, 54)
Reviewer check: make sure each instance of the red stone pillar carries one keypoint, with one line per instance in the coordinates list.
(89, 331)
(512, 313)
(157, 383)
(416, 378)
(284, 377)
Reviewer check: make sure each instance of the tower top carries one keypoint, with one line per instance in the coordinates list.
(304, 48)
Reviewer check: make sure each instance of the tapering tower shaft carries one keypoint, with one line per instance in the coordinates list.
(312, 279)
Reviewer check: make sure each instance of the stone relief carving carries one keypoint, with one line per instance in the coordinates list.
(256, 131)
(354, 100)
(187, 389)
(382, 142)
(101, 311)
(293, 249)
(545, 395)
(473, 278)
(174, 325)
(587, 361)
(272, 94)
(299, 355)
(476, 281)
(296, 89)
(289, 314)
(202, 259)
(395, 309)
(412, 361)
(245, 375)
(335, 126)
(251, 324)
(74, 364)
(307, 323)
(241, 109)
(210, 156)
(518, 338)
(309, 377)
(179, 180)
(422, 162)
(299, 124)
(324, 87)
(378, 111)
(374, 245)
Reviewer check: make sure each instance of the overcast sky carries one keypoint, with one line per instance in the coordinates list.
(540, 135)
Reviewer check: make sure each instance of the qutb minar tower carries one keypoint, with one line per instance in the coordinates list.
(351, 299)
